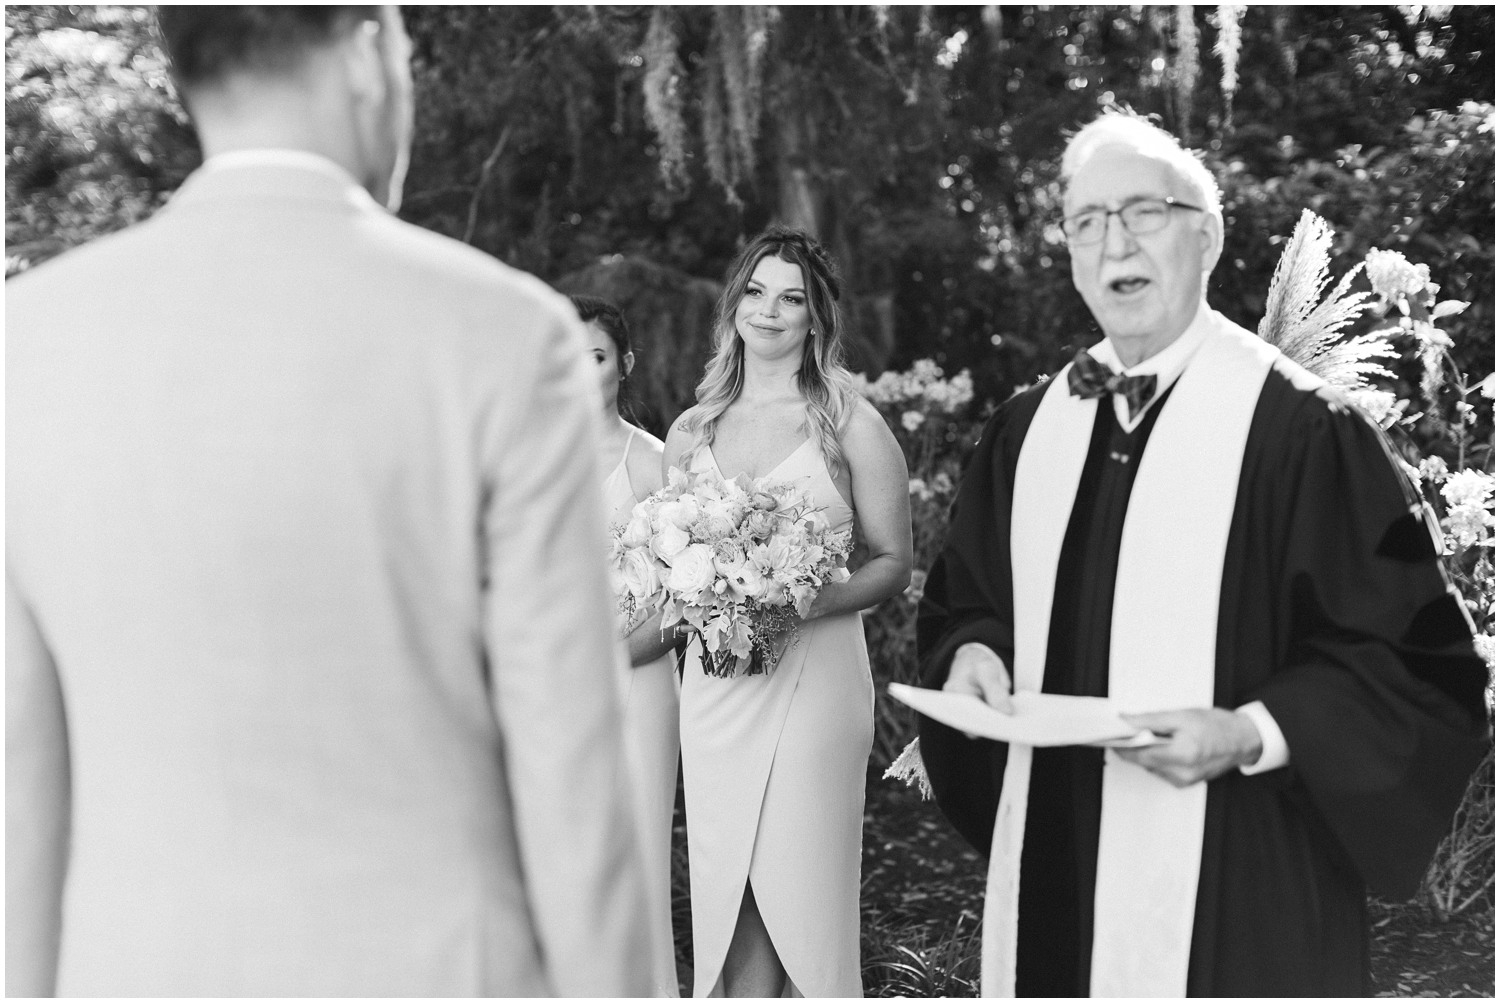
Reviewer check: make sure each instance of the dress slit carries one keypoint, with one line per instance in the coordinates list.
(774, 770)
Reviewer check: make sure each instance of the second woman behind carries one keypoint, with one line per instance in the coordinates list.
(774, 764)
(648, 689)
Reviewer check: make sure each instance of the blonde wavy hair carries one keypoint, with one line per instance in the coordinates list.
(824, 380)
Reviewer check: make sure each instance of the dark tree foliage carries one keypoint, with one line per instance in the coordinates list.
(919, 142)
(95, 139)
(668, 312)
(1356, 113)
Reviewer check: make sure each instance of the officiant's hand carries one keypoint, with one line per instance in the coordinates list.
(977, 670)
(1203, 743)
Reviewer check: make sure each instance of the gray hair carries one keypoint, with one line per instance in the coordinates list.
(1125, 128)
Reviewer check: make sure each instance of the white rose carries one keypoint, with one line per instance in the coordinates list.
(640, 576)
(692, 570)
(637, 531)
(669, 542)
(760, 524)
(679, 513)
(728, 558)
(713, 527)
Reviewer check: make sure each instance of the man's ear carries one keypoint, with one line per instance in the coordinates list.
(1211, 240)
(629, 362)
(363, 61)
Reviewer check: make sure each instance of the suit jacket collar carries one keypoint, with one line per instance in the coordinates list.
(268, 177)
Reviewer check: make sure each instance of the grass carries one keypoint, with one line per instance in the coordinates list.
(923, 890)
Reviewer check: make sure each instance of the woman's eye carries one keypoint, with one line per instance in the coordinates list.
(598, 357)
(794, 300)
(752, 292)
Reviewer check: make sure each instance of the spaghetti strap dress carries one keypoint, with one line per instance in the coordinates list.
(774, 779)
(649, 696)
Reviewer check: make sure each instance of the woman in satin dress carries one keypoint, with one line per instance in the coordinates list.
(648, 689)
(774, 764)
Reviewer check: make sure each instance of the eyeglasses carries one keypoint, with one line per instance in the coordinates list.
(1139, 217)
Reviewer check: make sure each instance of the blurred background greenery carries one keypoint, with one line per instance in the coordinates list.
(630, 149)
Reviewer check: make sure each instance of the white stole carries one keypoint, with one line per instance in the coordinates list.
(1163, 634)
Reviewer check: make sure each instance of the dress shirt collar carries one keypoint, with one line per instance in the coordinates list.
(1166, 365)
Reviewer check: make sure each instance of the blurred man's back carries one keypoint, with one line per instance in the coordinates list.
(303, 598)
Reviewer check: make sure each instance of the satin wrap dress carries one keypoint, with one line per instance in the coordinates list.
(774, 778)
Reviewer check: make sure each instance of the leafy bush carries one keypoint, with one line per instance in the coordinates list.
(95, 138)
(936, 422)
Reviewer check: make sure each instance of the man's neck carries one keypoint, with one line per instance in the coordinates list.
(1133, 351)
(268, 117)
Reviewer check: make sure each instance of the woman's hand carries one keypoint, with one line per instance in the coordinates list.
(648, 642)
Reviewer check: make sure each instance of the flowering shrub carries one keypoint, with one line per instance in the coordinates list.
(1437, 421)
(1463, 493)
(935, 421)
(1462, 873)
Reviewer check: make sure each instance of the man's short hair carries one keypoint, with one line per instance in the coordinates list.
(1126, 128)
(207, 43)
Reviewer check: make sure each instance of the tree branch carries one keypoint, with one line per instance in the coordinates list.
(484, 177)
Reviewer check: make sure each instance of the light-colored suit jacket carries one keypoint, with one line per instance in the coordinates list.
(308, 643)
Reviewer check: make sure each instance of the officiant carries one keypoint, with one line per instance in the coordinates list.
(1186, 522)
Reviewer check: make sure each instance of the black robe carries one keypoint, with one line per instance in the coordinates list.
(1334, 612)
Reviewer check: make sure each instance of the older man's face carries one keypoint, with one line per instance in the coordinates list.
(1143, 289)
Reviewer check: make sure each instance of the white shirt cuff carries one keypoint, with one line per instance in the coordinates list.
(1273, 751)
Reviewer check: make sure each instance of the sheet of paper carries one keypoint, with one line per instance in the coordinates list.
(1040, 719)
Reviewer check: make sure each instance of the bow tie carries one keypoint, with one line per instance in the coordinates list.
(1091, 378)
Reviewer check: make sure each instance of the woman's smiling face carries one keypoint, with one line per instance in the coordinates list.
(773, 317)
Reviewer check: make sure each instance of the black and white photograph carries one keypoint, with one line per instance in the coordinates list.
(754, 501)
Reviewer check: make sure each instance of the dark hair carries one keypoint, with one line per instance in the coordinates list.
(611, 320)
(206, 43)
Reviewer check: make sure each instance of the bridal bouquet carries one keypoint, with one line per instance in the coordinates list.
(739, 561)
